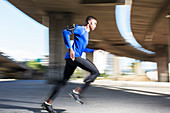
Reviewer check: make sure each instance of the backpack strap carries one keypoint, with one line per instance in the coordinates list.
(70, 27)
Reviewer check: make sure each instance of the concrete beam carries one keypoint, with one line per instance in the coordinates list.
(103, 1)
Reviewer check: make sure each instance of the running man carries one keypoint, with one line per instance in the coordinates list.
(73, 59)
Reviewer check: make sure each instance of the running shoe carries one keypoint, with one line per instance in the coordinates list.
(48, 108)
(76, 97)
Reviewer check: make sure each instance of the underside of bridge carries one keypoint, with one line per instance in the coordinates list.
(149, 25)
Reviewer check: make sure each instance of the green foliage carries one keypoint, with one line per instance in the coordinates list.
(103, 75)
(124, 74)
(133, 67)
(36, 66)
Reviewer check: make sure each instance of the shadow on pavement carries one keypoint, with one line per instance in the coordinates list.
(34, 110)
(10, 100)
(111, 97)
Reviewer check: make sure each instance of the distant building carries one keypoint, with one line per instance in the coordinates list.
(105, 62)
(44, 61)
(113, 65)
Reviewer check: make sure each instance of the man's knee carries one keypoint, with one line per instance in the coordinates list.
(92, 77)
(96, 73)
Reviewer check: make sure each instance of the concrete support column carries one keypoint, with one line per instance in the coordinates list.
(116, 69)
(138, 70)
(162, 63)
(89, 56)
(57, 49)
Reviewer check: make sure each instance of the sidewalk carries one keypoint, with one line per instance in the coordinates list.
(104, 96)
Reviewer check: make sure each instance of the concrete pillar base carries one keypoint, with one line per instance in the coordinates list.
(89, 56)
(162, 63)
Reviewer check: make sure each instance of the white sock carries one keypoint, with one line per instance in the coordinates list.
(47, 103)
(75, 92)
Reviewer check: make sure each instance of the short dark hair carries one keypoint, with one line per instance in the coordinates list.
(89, 18)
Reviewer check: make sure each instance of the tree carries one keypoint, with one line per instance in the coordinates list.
(36, 66)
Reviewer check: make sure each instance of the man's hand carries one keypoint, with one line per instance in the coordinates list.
(72, 54)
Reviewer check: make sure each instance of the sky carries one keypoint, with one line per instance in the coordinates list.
(21, 37)
(123, 14)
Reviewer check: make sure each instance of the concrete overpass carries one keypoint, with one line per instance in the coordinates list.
(148, 22)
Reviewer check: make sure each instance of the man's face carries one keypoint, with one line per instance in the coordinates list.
(92, 24)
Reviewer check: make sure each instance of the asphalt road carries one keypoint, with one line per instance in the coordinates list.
(26, 96)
